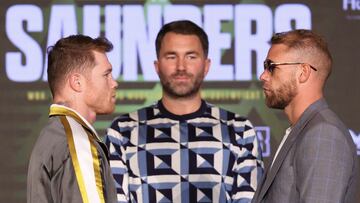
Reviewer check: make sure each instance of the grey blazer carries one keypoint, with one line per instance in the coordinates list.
(317, 163)
(51, 175)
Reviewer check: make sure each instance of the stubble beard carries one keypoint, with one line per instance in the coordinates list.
(179, 90)
(282, 96)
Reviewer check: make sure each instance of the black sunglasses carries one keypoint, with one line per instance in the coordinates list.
(270, 65)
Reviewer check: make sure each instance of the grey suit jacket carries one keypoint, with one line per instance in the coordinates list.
(51, 175)
(317, 163)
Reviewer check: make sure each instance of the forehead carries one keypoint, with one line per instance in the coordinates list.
(100, 57)
(281, 52)
(101, 61)
(173, 40)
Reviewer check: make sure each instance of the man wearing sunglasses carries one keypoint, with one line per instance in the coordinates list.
(316, 160)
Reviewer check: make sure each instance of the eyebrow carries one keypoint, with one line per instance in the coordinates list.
(186, 53)
(192, 52)
(170, 53)
(108, 70)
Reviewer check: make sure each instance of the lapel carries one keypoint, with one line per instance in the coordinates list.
(270, 173)
(60, 110)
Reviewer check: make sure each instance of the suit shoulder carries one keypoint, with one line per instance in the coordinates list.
(53, 133)
(51, 147)
(329, 116)
(326, 127)
(327, 122)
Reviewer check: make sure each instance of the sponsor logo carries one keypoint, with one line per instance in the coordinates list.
(356, 139)
(263, 135)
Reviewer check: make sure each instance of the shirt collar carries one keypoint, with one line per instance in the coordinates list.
(57, 110)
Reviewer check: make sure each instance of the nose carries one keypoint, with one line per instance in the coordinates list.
(115, 84)
(181, 64)
(264, 75)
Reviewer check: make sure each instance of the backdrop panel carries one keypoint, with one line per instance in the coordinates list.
(239, 32)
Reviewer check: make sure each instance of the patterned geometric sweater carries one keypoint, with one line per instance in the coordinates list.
(211, 155)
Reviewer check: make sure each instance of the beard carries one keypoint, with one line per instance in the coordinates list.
(282, 96)
(176, 89)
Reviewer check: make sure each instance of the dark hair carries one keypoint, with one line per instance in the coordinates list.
(184, 27)
(73, 53)
(308, 41)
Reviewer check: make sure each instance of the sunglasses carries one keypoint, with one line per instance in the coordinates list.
(269, 65)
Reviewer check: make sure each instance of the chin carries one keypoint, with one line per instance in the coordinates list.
(275, 105)
(108, 110)
(111, 110)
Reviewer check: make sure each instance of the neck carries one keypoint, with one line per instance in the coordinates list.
(85, 112)
(182, 106)
(90, 116)
(298, 105)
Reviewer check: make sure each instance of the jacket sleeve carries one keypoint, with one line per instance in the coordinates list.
(47, 183)
(249, 167)
(324, 164)
(38, 184)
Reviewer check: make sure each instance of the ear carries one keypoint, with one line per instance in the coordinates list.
(76, 82)
(207, 66)
(305, 73)
(156, 65)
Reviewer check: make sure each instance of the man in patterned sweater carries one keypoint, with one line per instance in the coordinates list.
(183, 149)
